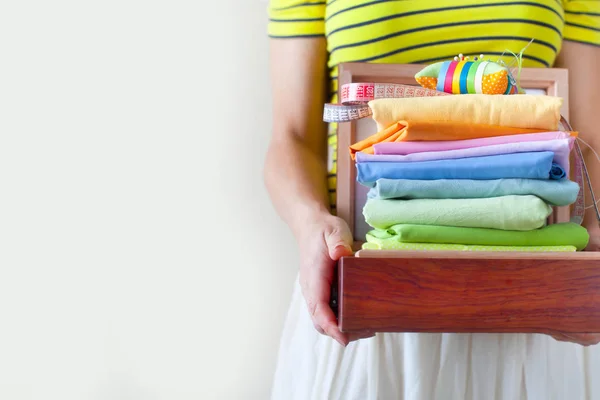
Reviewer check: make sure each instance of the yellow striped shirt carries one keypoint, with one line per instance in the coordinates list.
(425, 31)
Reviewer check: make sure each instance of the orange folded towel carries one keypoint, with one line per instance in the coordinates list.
(403, 131)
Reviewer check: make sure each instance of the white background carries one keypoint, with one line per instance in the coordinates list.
(139, 254)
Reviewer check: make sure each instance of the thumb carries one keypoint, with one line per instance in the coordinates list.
(594, 242)
(339, 242)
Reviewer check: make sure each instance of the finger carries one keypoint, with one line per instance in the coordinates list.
(360, 335)
(324, 317)
(324, 323)
(592, 338)
(312, 309)
(340, 251)
(594, 242)
(337, 250)
(320, 291)
(311, 292)
(319, 329)
(584, 339)
(559, 337)
(339, 242)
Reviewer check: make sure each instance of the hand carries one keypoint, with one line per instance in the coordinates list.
(325, 241)
(594, 243)
(584, 339)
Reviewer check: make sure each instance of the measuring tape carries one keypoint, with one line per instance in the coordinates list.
(355, 97)
(580, 173)
(345, 113)
(360, 93)
(578, 208)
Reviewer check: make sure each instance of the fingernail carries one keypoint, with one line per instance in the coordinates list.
(343, 247)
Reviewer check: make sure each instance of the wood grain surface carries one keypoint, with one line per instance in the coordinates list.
(435, 293)
(480, 255)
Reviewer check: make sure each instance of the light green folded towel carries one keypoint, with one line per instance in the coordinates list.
(515, 213)
(566, 234)
(387, 244)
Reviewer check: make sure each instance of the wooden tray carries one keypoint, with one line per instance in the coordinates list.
(400, 291)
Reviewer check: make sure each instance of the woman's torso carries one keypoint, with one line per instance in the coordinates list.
(422, 31)
(426, 31)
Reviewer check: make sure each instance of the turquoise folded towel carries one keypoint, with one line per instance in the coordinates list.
(558, 193)
(518, 213)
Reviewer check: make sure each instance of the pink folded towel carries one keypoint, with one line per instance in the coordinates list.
(402, 148)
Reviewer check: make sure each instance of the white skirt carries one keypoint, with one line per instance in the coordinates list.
(417, 366)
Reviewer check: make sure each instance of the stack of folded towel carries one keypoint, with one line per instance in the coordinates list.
(468, 172)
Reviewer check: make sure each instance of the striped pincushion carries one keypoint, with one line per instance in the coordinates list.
(463, 76)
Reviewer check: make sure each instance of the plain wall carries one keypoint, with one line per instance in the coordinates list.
(140, 257)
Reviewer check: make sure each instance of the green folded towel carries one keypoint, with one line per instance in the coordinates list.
(387, 244)
(566, 234)
(516, 213)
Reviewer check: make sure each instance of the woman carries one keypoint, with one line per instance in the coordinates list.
(308, 40)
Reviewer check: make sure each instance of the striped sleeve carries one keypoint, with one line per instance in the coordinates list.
(582, 21)
(296, 18)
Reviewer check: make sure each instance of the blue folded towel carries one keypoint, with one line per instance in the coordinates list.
(557, 172)
(533, 165)
(558, 193)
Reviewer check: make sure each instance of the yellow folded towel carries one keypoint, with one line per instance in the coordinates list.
(517, 111)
